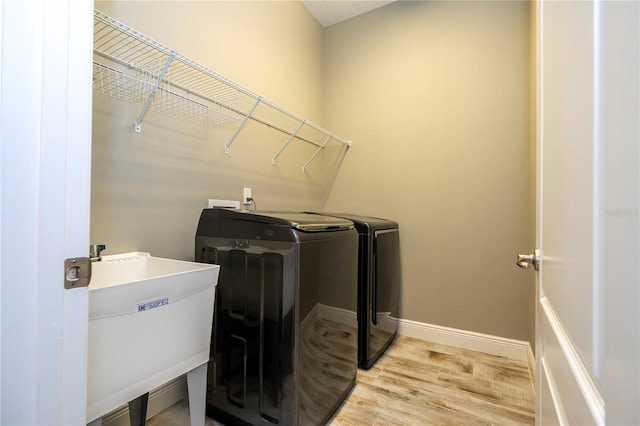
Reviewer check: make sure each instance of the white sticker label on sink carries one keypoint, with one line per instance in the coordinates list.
(153, 304)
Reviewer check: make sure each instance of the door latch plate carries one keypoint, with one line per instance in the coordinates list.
(77, 272)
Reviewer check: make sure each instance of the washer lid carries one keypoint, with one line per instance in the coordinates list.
(300, 221)
(366, 223)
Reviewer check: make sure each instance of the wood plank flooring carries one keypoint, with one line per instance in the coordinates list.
(423, 383)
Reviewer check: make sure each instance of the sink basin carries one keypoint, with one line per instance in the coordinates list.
(149, 322)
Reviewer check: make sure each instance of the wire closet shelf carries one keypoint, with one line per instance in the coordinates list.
(135, 68)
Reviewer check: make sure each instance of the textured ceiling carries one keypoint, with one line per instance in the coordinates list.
(329, 12)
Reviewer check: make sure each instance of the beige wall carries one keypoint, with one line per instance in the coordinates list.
(148, 189)
(436, 98)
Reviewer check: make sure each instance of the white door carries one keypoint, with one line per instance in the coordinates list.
(45, 95)
(587, 218)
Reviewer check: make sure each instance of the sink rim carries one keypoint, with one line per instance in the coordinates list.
(133, 267)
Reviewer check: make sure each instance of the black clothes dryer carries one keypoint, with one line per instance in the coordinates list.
(284, 340)
(378, 285)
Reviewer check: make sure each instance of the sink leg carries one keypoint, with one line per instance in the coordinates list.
(197, 386)
(138, 410)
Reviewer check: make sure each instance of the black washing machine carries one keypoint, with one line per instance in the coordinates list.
(378, 285)
(284, 340)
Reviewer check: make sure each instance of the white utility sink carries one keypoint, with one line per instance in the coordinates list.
(149, 322)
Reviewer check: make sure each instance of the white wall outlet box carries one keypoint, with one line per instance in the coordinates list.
(224, 203)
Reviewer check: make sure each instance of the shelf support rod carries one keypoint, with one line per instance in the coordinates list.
(304, 168)
(244, 121)
(293, 135)
(147, 104)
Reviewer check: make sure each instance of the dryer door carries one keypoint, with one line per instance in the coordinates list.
(385, 289)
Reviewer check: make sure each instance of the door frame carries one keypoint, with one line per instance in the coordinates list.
(45, 66)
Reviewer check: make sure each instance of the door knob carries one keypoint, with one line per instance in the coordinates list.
(526, 260)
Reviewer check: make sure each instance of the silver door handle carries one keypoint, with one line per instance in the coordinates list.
(526, 260)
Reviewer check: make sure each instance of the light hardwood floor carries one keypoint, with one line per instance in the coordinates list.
(423, 383)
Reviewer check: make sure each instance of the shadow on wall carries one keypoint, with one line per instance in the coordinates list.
(131, 68)
(334, 161)
(148, 188)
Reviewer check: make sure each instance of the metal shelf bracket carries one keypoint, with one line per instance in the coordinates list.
(244, 121)
(304, 168)
(147, 104)
(293, 135)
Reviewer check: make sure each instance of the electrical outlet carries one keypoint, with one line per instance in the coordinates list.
(246, 195)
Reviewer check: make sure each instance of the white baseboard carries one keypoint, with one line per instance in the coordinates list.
(494, 345)
(159, 399)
